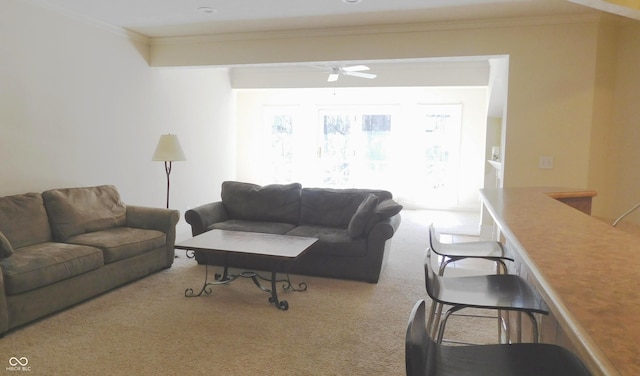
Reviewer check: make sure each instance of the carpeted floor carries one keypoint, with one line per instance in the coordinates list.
(150, 328)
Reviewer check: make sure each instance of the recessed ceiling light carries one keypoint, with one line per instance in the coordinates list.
(351, 1)
(207, 10)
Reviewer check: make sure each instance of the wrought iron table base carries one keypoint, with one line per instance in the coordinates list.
(226, 277)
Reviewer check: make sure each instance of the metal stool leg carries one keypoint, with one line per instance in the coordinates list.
(432, 315)
(534, 325)
(436, 324)
(444, 322)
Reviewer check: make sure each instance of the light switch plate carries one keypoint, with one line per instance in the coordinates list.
(545, 162)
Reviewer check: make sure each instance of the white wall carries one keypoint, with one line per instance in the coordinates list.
(80, 106)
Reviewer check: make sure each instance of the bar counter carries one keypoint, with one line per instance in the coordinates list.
(587, 271)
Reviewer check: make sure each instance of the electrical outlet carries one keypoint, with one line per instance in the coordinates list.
(545, 162)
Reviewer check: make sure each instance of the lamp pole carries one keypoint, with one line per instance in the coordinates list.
(167, 168)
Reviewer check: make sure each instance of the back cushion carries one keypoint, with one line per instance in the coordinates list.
(74, 211)
(333, 207)
(23, 220)
(275, 202)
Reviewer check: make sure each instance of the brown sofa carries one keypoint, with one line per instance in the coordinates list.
(354, 227)
(64, 246)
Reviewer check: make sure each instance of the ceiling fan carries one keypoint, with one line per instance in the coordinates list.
(354, 70)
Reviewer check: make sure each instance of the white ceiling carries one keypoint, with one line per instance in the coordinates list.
(177, 18)
(166, 18)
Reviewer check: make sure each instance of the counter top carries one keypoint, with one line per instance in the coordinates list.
(559, 194)
(587, 270)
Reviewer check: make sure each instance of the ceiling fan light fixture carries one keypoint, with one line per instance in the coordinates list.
(355, 68)
(206, 10)
(351, 1)
(361, 75)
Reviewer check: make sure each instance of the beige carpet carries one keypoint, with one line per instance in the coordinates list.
(150, 328)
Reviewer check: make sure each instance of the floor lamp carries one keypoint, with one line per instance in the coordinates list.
(168, 150)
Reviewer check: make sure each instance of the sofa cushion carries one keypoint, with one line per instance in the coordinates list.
(385, 209)
(333, 207)
(362, 216)
(254, 226)
(42, 264)
(6, 249)
(331, 241)
(275, 202)
(74, 211)
(23, 220)
(118, 243)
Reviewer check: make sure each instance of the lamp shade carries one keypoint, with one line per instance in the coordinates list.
(169, 149)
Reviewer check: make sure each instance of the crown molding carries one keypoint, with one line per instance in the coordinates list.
(378, 29)
(115, 30)
(629, 9)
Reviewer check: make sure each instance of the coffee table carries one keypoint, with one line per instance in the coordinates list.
(278, 249)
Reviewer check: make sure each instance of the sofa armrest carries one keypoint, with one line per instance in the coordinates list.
(160, 219)
(149, 218)
(202, 217)
(385, 228)
(379, 246)
(4, 309)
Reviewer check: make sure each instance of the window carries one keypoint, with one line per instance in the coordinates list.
(434, 143)
(353, 146)
(278, 144)
(415, 155)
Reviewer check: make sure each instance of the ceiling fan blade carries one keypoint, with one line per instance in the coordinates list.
(355, 68)
(361, 75)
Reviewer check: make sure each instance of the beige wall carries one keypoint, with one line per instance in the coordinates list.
(625, 141)
(601, 175)
(570, 96)
(552, 73)
(79, 106)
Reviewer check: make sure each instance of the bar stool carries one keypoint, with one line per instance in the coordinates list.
(424, 357)
(484, 249)
(499, 292)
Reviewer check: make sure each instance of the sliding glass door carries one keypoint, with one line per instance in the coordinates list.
(278, 144)
(339, 139)
(415, 155)
(352, 150)
(432, 142)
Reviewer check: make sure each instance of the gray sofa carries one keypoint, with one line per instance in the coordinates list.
(354, 227)
(64, 246)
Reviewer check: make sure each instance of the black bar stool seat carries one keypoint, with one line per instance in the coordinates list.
(424, 357)
(483, 249)
(495, 292)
